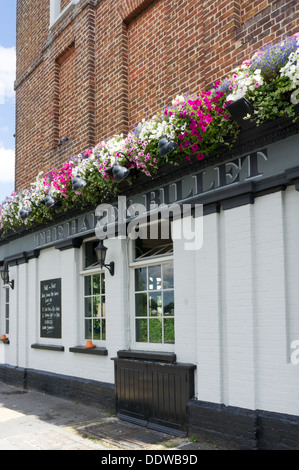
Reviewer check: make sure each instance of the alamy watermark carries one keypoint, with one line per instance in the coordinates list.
(136, 221)
(295, 353)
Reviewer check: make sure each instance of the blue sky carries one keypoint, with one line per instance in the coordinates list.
(7, 98)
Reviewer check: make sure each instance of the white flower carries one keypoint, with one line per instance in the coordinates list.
(291, 69)
(178, 100)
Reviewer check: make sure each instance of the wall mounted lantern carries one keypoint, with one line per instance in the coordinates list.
(241, 111)
(63, 140)
(118, 172)
(50, 201)
(24, 213)
(101, 252)
(5, 277)
(78, 183)
(166, 146)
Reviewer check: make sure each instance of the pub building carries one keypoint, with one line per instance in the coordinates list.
(193, 326)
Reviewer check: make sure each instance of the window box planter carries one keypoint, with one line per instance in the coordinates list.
(249, 139)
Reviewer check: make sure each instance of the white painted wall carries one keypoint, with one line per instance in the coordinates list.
(237, 304)
(246, 300)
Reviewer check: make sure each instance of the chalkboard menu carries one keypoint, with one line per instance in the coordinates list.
(50, 308)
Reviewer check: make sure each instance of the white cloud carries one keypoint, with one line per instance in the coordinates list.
(7, 72)
(7, 165)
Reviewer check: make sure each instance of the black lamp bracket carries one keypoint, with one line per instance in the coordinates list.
(110, 267)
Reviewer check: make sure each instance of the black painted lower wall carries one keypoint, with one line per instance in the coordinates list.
(89, 392)
(237, 428)
(225, 426)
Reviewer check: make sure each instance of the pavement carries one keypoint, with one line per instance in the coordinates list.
(30, 420)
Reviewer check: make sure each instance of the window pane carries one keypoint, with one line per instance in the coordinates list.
(103, 283)
(155, 330)
(103, 307)
(88, 329)
(154, 277)
(7, 311)
(168, 303)
(88, 306)
(167, 276)
(169, 330)
(140, 279)
(90, 255)
(87, 285)
(155, 304)
(141, 331)
(96, 283)
(157, 235)
(104, 329)
(97, 306)
(7, 327)
(97, 329)
(141, 305)
(7, 295)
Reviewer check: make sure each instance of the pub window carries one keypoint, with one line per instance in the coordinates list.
(6, 310)
(94, 307)
(154, 290)
(94, 295)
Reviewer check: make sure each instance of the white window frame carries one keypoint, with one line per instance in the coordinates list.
(89, 271)
(150, 261)
(55, 10)
(6, 330)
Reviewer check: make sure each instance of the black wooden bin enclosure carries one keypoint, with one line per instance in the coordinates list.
(153, 390)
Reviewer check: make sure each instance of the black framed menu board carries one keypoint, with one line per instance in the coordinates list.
(50, 309)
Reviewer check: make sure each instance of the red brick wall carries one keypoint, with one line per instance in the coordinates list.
(67, 95)
(109, 63)
(63, 4)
